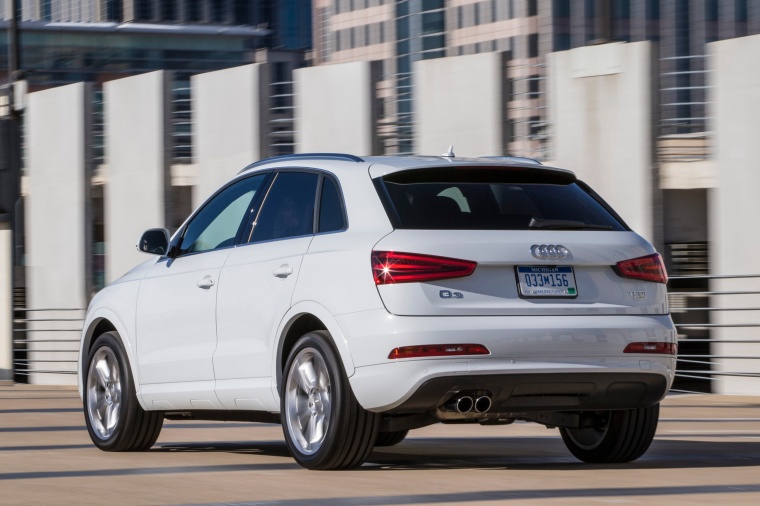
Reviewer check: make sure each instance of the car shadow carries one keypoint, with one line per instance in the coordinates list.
(549, 453)
(527, 453)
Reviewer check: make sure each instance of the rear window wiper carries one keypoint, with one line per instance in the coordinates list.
(565, 224)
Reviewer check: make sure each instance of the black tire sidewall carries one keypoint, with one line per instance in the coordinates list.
(339, 406)
(115, 441)
(627, 437)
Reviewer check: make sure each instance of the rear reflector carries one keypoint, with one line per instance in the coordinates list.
(438, 350)
(390, 267)
(657, 348)
(648, 268)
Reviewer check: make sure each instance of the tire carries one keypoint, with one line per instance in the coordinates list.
(323, 423)
(390, 438)
(624, 436)
(114, 418)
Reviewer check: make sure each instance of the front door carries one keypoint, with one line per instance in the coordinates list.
(176, 309)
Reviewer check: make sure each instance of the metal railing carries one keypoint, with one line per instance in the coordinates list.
(46, 341)
(45, 344)
(707, 315)
(683, 94)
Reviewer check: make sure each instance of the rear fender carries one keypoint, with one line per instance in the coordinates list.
(320, 312)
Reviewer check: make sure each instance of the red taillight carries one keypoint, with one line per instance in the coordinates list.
(438, 350)
(390, 267)
(657, 348)
(648, 268)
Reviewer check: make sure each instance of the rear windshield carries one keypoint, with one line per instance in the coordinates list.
(493, 200)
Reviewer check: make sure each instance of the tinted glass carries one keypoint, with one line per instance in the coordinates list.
(331, 208)
(472, 200)
(288, 210)
(217, 225)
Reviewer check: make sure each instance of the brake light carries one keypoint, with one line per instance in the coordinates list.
(649, 347)
(390, 267)
(438, 350)
(648, 268)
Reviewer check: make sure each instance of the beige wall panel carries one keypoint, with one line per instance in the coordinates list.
(334, 109)
(734, 206)
(56, 225)
(460, 101)
(226, 125)
(135, 123)
(600, 117)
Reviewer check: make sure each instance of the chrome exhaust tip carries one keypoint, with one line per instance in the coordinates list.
(464, 404)
(482, 404)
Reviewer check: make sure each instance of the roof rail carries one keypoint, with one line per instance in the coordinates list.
(305, 156)
(521, 159)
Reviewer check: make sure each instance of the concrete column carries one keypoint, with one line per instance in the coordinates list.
(136, 115)
(336, 108)
(733, 208)
(461, 101)
(6, 301)
(226, 125)
(601, 120)
(57, 228)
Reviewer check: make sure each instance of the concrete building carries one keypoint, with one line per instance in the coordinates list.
(658, 122)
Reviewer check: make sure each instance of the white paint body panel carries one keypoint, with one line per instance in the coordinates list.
(221, 348)
(176, 319)
(250, 304)
(492, 288)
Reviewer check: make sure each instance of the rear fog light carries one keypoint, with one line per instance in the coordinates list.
(438, 350)
(656, 348)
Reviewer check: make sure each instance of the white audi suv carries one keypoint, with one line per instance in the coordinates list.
(354, 299)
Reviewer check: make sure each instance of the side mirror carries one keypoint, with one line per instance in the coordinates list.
(154, 241)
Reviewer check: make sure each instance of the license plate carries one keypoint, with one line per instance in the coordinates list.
(544, 281)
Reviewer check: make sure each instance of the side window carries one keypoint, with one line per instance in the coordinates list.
(331, 216)
(288, 210)
(218, 223)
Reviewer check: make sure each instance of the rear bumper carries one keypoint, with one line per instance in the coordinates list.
(512, 393)
(536, 363)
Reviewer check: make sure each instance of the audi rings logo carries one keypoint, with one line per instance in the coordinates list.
(547, 251)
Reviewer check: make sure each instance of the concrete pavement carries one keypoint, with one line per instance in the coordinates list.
(707, 451)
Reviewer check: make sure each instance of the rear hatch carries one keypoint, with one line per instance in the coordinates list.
(509, 241)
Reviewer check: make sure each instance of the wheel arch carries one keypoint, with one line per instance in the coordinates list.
(100, 321)
(302, 318)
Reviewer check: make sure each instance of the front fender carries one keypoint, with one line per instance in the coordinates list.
(116, 304)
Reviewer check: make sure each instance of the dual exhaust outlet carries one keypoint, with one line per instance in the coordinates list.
(466, 404)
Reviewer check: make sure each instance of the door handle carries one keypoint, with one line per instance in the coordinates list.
(205, 282)
(283, 271)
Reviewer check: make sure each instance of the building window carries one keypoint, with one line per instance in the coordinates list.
(193, 10)
(562, 8)
(143, 10)
(218, 13)
(168, 10)
(242, 12)
(532, 8)
(534, 86)
(460, 17)
(46, 11)
(533, 45)
(653, 9)
(476, 14)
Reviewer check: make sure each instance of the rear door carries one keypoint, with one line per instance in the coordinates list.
(543, 243)
(255, 290)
